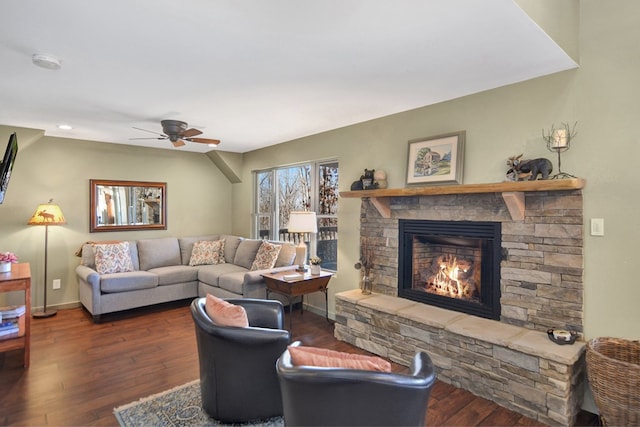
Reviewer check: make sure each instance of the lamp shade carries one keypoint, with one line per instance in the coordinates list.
(47, 214)
(302, 222)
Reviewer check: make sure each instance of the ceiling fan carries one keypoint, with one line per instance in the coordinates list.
(176, 131)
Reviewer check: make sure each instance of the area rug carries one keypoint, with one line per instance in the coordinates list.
(180, 406)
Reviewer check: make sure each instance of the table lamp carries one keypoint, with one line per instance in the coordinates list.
(302, 222)
(46, 214)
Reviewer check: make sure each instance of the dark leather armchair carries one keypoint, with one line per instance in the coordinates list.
(238, 380)
(347, 397)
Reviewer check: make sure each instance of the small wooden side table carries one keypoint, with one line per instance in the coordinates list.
(304, 284)
(19, 279)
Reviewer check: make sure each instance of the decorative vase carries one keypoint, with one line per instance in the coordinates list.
(365, 285)
(5, 267)
(315, 269)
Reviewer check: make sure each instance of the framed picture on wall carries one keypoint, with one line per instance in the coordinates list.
(436, 160)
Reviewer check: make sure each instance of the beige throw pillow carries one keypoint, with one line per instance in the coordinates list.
(266, 256)
(207, 252)
(113, 258)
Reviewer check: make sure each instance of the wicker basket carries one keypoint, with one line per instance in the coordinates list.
(613, 367)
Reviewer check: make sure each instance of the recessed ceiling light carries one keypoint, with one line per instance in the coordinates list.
(65, 127)
(45, 60)
(212, 145)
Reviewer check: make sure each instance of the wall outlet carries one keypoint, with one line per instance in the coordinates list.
(56, 284)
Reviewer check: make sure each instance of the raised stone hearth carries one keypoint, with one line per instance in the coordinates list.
(510, 361)
(515, 367)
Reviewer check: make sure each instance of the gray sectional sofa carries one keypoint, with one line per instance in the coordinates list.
(161, 273)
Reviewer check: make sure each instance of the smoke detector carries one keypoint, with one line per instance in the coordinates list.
(45, 60)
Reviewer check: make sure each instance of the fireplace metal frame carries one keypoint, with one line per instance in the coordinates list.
(491, 235)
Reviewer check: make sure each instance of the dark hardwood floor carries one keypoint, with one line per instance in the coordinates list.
(80, 371)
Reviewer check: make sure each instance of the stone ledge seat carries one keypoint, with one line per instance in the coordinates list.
(515, 367)
(162, 273)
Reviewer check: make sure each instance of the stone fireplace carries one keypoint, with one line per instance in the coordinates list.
(504, 356)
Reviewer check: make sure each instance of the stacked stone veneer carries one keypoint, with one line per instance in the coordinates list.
(511, 362)
(541, 273)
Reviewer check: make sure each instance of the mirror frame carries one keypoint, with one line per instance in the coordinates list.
(93, 219)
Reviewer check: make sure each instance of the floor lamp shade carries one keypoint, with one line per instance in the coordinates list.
(46, 214)
(302, 222)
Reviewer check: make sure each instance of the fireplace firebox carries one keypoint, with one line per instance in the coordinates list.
(451, 264)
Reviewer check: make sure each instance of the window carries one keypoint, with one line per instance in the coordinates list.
(303, 187)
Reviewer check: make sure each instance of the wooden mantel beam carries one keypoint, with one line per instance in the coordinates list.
(512, 193)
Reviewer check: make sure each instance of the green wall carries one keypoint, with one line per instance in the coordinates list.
(198, 196)
(602, 96)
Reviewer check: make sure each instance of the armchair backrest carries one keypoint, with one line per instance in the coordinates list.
(349, 397)
(238, 380)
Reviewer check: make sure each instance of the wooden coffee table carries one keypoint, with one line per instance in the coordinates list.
(304, 283)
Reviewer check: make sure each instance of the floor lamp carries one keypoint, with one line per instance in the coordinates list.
(46, 214)
(302, 222)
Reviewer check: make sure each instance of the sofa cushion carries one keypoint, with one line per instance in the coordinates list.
(207, 252)
(186, 245)
(224, 313)
(113, 258)
(175, 274)
(314, 356)
(246, 253)
(161, 252)
(287, 254)
(230, 247)
(131, 281)
(266, 256)
(233, 282)
(210, 274)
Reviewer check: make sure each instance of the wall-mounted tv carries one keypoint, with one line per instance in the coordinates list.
(7, 164)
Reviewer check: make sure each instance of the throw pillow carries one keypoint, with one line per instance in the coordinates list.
(266, 256)
(207, 252)
(314, 356)
(224, 313)
(113, 258)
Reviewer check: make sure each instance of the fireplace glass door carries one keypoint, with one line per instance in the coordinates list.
(451, 264)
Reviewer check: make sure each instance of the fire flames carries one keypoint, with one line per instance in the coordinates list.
(454, 278)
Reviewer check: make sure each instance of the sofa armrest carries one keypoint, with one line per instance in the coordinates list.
(88, 275)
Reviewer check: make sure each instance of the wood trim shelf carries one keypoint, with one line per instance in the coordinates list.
(512, 192)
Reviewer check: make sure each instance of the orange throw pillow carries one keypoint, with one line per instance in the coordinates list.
(313, 356)
(224, 313)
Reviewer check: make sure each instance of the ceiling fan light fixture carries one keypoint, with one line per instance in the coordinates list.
(46, 61)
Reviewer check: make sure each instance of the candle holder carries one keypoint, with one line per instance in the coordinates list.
(559, 141)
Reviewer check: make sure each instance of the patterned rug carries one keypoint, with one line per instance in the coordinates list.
(180, 406)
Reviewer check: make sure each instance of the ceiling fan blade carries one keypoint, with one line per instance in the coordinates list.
(191, 132)
(150, 131)
(178, 143)
(205, 141)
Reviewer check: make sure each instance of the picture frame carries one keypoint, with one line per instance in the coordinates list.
(127, 205)
(436, 159)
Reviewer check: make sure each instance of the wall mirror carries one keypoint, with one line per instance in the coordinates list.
(127, 205)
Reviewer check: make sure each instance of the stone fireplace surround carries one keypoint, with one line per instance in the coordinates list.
(510, 361)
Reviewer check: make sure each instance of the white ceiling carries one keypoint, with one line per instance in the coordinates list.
(254, 73)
